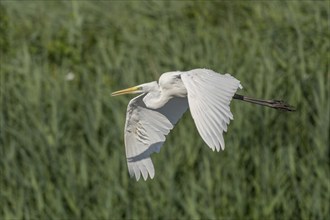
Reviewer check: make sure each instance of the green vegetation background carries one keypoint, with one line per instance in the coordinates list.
(62, 149)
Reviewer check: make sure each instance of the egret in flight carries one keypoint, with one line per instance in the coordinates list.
(152, 114)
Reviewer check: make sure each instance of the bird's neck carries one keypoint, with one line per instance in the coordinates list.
(155, 100)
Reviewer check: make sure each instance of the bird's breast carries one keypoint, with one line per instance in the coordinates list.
(174, 88)
(178, 91)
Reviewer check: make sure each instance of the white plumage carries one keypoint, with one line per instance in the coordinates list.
(151, 115)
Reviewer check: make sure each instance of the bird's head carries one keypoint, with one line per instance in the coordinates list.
(143, 88)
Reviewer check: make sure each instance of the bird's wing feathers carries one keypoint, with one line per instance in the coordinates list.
(145, 132)
(209, 96)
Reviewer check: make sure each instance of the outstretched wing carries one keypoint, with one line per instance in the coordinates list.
(145, 131)
(209, 96)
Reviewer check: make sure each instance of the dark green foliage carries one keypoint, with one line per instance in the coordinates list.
(62, 150)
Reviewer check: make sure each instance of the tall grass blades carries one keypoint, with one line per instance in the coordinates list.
(62, 149)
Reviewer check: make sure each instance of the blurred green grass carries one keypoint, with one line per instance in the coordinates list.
(62, 151)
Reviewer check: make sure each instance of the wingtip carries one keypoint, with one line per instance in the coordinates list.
(220, 148)
(145, 178)
(138, 172)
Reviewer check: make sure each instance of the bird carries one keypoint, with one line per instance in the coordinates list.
(158, 107)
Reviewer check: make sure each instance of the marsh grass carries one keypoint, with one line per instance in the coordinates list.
(62, 150)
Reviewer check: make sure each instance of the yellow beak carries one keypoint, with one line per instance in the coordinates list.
(131, 90)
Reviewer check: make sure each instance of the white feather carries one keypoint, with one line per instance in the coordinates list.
(209, 95)
(151, 115)
(145, 132)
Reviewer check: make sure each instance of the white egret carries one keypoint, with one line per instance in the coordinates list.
(151, 115)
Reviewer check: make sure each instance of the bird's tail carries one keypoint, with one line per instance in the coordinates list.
(280, 105)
